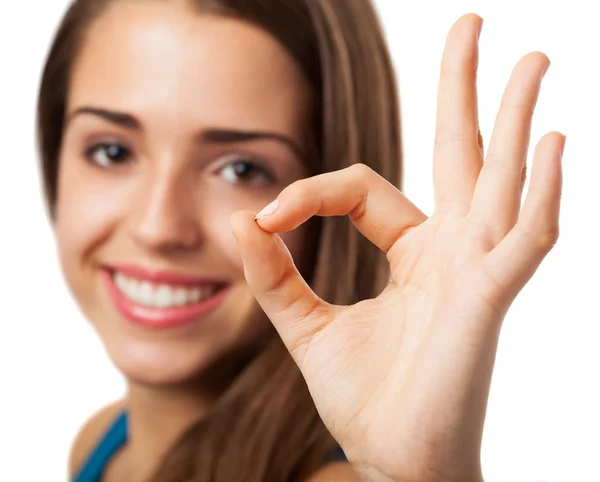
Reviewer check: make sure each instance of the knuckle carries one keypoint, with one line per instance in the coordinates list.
(521, 109)
(543, 240)
(458, 67)
(361, 170)
(277, 285)
(360, 210)
(449, 136)
(495, 160)
(548, 239)
(301, 189)
(454, 134)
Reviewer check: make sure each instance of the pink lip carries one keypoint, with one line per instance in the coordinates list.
(160, 318)
(163, 276)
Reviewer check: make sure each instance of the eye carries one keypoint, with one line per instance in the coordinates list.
(245, 170)
(107, 154)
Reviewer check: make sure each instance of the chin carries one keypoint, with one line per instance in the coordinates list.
(162, 363)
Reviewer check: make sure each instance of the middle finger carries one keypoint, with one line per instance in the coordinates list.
(497, 197)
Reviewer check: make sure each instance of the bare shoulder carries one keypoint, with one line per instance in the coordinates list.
(334, 472)
(90, 433)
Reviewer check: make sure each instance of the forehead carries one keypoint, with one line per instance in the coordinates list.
(167, 63)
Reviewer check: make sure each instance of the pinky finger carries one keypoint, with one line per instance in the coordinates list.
(516, 258)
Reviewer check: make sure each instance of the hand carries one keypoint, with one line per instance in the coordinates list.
(402, 380)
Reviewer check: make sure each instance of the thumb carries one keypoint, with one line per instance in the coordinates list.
(294, 309)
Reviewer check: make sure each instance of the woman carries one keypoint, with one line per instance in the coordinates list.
(161, 122)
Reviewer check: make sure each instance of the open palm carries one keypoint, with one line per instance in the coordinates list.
(402, 380)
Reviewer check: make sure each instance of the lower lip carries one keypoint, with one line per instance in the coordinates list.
(159, 318)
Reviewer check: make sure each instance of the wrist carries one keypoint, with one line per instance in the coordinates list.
(374, 474)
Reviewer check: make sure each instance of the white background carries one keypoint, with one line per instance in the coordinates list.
(543, 420)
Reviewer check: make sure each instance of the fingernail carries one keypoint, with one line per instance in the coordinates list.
(480, 27)
(268, 210)
(546, 68)
(562, 147)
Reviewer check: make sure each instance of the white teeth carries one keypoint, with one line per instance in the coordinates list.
(180, 297)
(159, 296)
(163, 296)
(134, 288)
(145, 293)
(195, 295)
(120, 281)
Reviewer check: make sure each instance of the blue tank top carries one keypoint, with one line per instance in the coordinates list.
(115, 437)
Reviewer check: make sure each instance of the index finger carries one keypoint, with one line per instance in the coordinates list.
(376, 207)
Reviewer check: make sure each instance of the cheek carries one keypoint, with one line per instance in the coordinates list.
(85, 214)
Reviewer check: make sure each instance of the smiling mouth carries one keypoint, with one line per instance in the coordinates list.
(161, 300)
(153, 295)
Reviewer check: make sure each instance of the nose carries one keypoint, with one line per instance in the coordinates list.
(163, 216)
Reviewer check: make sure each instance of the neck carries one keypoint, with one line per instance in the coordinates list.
(159, 415)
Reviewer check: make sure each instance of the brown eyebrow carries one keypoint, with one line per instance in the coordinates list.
(231, 136)
(215, 135)
(119, 118)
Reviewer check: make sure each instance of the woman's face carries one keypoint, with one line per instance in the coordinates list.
(175, 120)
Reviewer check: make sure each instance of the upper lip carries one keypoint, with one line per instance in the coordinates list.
(168, 277)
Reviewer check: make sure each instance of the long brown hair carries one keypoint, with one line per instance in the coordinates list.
(265, 427)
